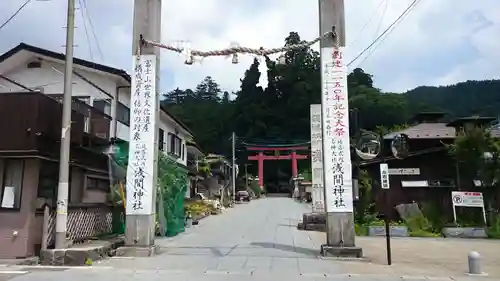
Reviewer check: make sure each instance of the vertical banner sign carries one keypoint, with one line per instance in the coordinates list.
(384, 176)
(318, 202)
(143, 102)
(335, 125)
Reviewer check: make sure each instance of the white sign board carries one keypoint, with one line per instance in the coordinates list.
(384, 176)
(404, 171)
(335, 126)
(141, 184)
(318, 202)
(467, 199)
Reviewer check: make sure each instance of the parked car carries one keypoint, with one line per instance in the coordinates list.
(242, 195)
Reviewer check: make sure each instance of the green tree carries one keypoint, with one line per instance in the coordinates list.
(478, 157)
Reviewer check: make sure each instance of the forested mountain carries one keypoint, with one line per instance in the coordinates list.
(281, 109)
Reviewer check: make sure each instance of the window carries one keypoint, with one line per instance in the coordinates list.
(100, 183)
(174, 145)
(48, 178)
(103, 105)
(161, 139)
(123, 113)
(182, 151)
(12, 183)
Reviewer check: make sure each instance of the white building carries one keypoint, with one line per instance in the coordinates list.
(29, 68)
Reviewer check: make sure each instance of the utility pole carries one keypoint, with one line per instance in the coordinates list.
(140, 226)
(339, 219)
(246, 175)
(63, 186)
(233, 138)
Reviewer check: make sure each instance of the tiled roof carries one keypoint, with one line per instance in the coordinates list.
(426, 131)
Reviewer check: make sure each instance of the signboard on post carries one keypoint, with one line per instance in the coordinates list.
(335, 126)
(384, 176)
(404, 171)
(467, 199)
(318, 204)
(141, 184)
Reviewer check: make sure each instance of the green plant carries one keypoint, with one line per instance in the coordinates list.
(364, 207)
(494, 230)
(197, 208)
(379, 222)
(417, 223)
(172, 184)
(432, 211)
(423, 233)
(419, 226)
(360, 230)
(254, 186)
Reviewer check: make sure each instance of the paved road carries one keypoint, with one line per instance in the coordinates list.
(257, 241)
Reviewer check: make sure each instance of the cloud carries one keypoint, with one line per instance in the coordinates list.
(440, 42)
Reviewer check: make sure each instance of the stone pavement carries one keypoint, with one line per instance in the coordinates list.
(257, 241)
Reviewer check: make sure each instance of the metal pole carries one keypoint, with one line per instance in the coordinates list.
(246, 175)
(387, 228)
(63, 186)
(233, 138)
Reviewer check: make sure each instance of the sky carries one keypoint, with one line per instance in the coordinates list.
(438, 43)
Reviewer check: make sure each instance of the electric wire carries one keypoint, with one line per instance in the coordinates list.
(393, 24)
(15, 14)
(367, 22)
(82, 13)
(92, 29)
(381, 19)
(382, 40)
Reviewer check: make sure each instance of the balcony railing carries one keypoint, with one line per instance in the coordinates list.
(26, 116)
(96, 122)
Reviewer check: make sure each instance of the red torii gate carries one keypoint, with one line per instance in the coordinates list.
(260, 157)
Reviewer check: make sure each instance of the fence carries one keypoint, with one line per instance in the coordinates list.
(85, 221)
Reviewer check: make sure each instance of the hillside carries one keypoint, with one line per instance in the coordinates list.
(462, 99)
(280, 112)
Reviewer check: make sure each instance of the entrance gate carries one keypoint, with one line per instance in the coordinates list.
(261, 156)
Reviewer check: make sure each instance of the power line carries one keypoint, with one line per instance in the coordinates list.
(382, 18)
(368, 21)
(92, 29)
(382, 40)
(393, 24)
(15, 14)
(86, 29)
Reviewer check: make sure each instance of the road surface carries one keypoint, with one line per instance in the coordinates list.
(256, 241)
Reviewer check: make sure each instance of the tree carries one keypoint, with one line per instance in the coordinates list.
(208, 90)
(478, 157)
(358, 77)
(280, 109)
(225, 98)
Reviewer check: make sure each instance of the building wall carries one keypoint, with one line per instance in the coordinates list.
(25, 221)
(433, 167)
(22, 220)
